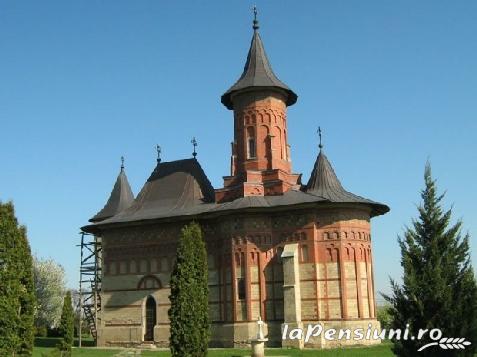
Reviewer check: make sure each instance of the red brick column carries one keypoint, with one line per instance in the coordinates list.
(248, 283)
(234, 285)
(263, 286)
(344, 295)
(358, 280)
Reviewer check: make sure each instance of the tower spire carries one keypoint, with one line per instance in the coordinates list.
(257, 73)
(122, 163)
(255, 21)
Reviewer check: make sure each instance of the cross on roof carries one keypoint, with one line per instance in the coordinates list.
(255, 21)
(319, 134)
(194, 144)
(159, 150)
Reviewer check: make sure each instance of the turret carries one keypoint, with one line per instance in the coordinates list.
(260, 163)
(121, 198)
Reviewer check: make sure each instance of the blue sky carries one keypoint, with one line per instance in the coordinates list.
(392, 83)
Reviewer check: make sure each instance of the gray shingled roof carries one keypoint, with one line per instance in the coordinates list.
(121, 198)
(180, 188)
(324, 183)
(257, 73)
(174, 188)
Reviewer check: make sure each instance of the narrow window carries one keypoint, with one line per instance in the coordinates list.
(251, 148)
(241, 288)
(304, 254)
(133, 267)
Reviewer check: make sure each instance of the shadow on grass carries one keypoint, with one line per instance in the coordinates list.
(85, 342)
(46, 341)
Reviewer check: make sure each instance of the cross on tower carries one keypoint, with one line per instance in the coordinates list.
(194, 144)
(159, 150)
(122, 163)
(255, 21)
(319, 134)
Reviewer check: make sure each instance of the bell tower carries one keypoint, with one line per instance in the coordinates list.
(260, 163)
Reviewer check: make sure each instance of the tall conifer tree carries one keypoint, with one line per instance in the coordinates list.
(189, 296)
(66, 327)
(27, 296)
(17, 301)
(439, 288)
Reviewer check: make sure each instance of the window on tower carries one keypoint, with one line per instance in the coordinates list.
(251, 143)
(241, 288)
(251, 148)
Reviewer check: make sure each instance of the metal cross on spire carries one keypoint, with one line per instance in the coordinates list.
(255, 21)
(194, 144)
(319, 134)
(122, 163)
(159, 150)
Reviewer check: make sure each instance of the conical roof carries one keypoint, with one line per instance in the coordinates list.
(174, 188)
(257, 73)
(121, 198)
(324, 183)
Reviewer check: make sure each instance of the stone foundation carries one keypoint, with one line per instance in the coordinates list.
(238, 335)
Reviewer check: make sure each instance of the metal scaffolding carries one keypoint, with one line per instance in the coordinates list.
(90, 283)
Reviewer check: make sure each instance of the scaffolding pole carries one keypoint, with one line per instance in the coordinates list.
(90, 283)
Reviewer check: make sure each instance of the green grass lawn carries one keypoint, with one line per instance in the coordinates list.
(383, 350)
(44, 345)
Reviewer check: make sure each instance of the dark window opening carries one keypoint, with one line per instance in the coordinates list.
(241, 288)
(150, 319)
(251, 148)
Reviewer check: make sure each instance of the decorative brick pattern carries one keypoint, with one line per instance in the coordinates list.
(335, 271)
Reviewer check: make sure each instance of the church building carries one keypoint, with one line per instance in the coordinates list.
(290, 252)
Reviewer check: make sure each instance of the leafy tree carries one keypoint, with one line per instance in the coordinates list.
(85, 330)
(17, 301)
(66, 327)
(189, 296)
(383, 315)
(50, 287)
(439, 288)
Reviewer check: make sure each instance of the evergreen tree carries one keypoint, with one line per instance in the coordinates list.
(189, 296)
(439, 288)
(27, 296)
(16, 286)
(66, 327)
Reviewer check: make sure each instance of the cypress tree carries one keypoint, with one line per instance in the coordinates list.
(189, 296)
(439, 288)
(66, 327)
(16, 287)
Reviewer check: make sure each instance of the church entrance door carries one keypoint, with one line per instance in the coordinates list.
(150, 319)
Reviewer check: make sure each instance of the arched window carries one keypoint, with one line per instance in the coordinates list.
(150, 320)
(149, 282)
(251, 143)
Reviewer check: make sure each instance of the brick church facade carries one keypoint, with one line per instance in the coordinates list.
(289, 252)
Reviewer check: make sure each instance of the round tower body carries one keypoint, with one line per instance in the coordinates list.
(260, 132)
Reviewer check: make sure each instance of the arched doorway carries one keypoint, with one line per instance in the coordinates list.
(150, 319)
